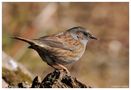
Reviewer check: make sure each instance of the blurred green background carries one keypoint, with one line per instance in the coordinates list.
(105, 63)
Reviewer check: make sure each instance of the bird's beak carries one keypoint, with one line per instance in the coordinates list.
(92, 37)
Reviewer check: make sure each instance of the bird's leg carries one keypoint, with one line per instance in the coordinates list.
(59, 67)
(53, 66)
(64, 68)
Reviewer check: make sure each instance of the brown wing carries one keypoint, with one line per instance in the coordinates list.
(54, 41)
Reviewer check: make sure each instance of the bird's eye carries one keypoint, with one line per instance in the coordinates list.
(85, 34)
(77, 36)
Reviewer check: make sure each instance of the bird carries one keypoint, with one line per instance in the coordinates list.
(58, 50)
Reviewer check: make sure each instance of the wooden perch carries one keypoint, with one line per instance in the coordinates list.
(55, 79)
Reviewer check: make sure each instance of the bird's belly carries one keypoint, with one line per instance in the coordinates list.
(61, 56)
(67, 57)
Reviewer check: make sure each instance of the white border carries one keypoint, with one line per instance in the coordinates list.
(1, 44)
(129, 41)
(63, 1)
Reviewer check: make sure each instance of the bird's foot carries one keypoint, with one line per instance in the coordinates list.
(61, 68)
(66, 71)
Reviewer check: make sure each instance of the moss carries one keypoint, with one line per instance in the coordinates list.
(14, 77)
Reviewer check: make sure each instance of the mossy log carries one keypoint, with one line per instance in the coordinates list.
(55, 79)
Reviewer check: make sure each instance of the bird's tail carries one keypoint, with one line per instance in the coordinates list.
(23, 39)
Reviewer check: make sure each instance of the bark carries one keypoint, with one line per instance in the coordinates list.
(56, 79)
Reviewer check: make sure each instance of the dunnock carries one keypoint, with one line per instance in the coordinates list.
(63, 48)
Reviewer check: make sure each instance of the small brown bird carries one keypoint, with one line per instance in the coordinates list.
(63, 48)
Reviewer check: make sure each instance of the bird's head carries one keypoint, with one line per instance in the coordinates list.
(80, 33)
